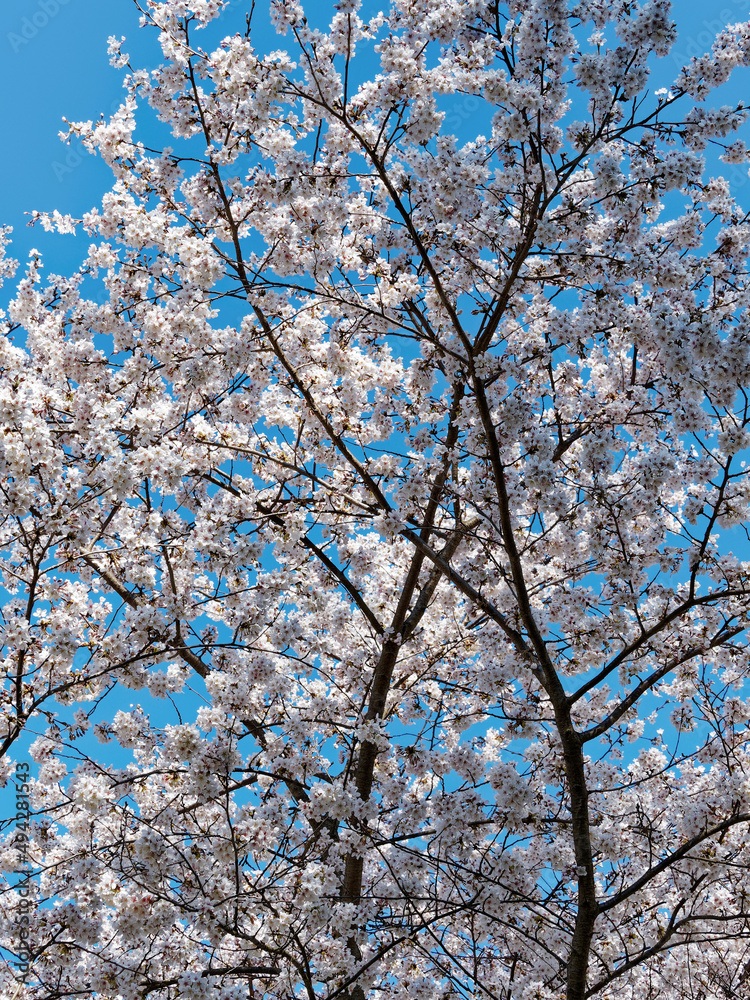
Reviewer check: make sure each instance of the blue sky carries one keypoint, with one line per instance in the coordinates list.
(54, 64)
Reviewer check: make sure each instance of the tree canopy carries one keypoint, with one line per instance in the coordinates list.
(392, 456)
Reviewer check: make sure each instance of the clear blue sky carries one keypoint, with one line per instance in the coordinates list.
(53, 63)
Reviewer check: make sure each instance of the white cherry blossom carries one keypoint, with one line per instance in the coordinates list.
(375, 599)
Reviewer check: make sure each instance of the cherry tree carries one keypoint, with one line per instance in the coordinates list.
(401, 472)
